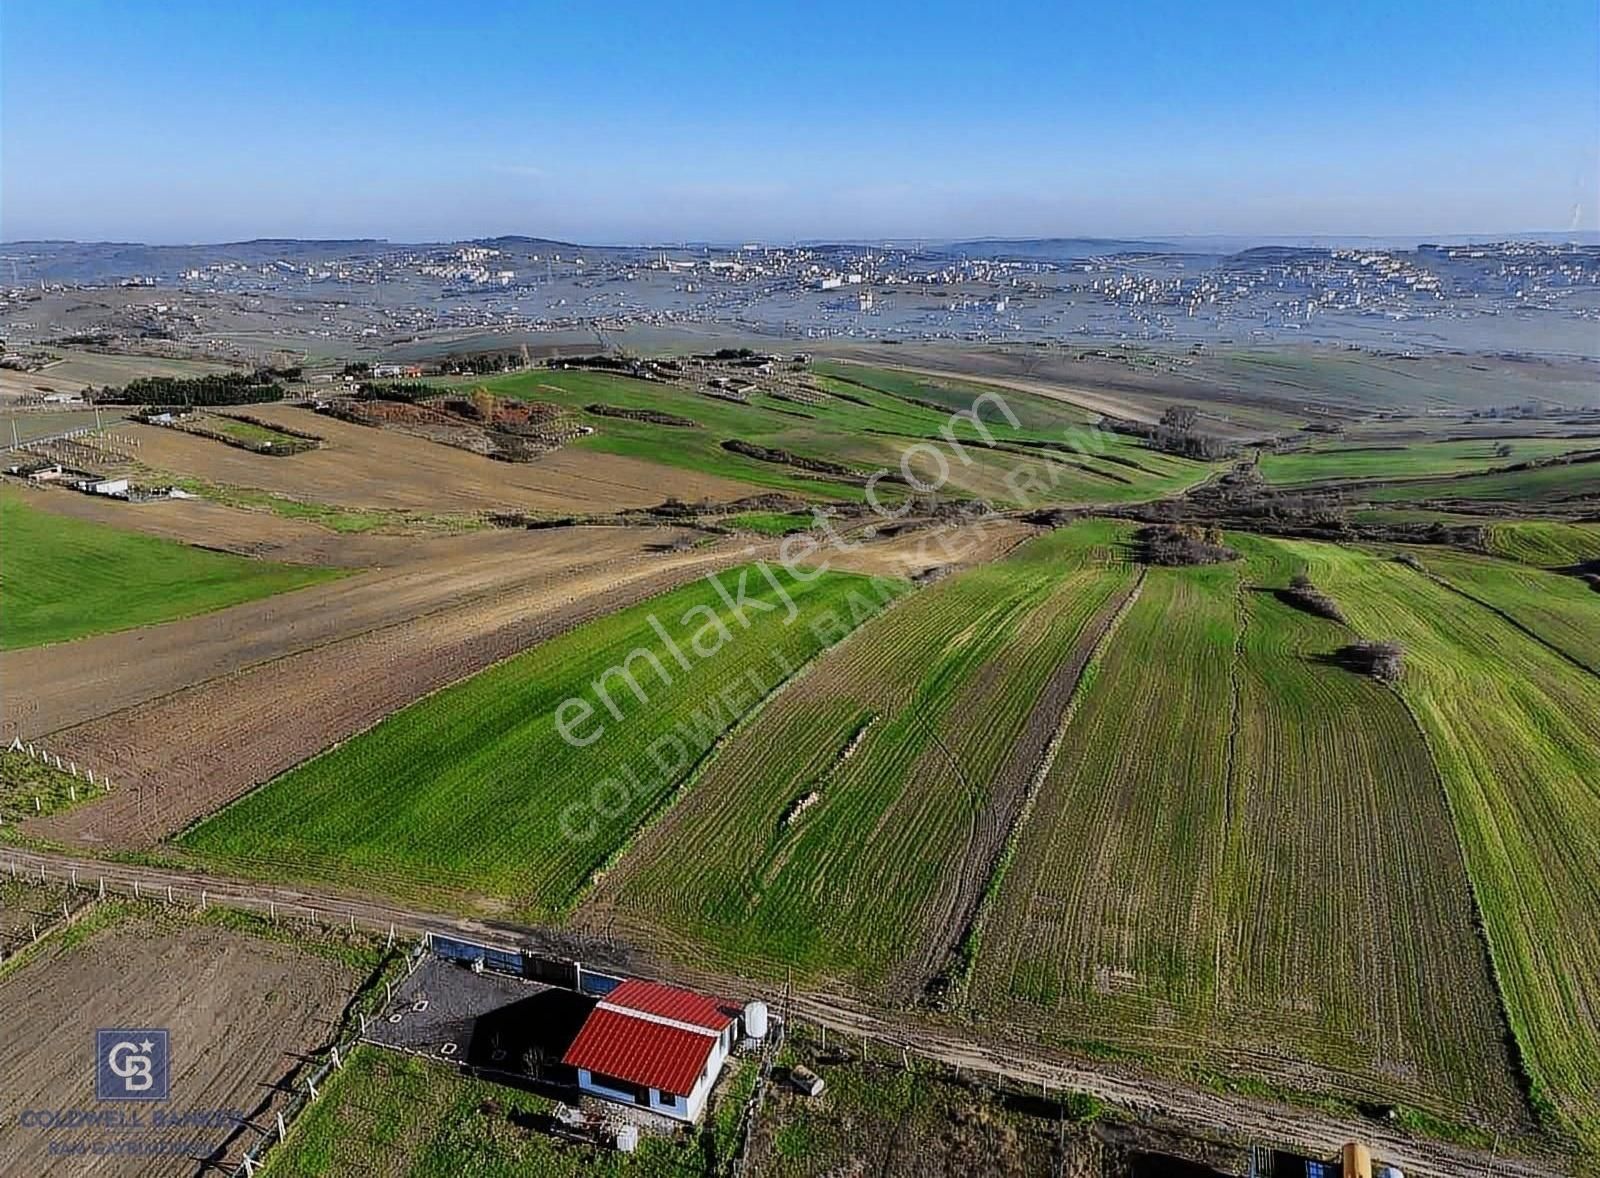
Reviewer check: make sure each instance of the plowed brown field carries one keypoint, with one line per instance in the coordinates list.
(56, 686)
(362, 466)
(240, 1012)
(232, 699)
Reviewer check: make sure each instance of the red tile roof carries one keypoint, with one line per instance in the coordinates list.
(683, 1006)
(630, 1035)
(651, 1054)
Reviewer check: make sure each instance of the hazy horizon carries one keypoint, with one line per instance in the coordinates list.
(633, 125)
(1216, 240)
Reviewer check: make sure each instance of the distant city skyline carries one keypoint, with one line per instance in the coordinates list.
(638, 124)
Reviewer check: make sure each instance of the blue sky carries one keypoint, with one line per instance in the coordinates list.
(624, 121)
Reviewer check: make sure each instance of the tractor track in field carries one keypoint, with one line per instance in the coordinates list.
(1151, 1099)
(1096, 637)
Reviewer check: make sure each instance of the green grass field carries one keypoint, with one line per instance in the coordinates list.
(879, 1118)
(64, 578)
(1536, 489)
(770, 523)
(1343, 460)
(336, 518)
(1561, 610)
(915, 741)
(246, 431)
(397, 1115)
(1515, 732)
(1544, 544)
(30, 787)
(867, 429)
(472, 793)
(1241, 866)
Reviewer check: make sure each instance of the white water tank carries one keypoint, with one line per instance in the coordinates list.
(755, 1020)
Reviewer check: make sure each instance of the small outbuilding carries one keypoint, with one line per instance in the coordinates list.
(655, 1047)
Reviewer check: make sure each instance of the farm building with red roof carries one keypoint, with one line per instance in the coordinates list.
(654, 1046)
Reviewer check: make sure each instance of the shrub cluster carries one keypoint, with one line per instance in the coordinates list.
(1382, 660)
(1304, 595)
(1181, 544)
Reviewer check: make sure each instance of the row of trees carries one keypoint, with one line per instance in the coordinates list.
(217, 388)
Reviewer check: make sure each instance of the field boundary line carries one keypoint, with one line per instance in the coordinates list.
(1539, 1108)
(971, 941)
(703, 762)
(1230, 765)
(1506, 617)
(177, 835)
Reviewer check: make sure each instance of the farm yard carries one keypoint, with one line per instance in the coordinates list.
(395, 1114)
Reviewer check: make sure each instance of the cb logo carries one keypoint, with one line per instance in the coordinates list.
(131, 1064)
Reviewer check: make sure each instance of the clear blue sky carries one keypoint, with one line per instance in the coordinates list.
(622, 121)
